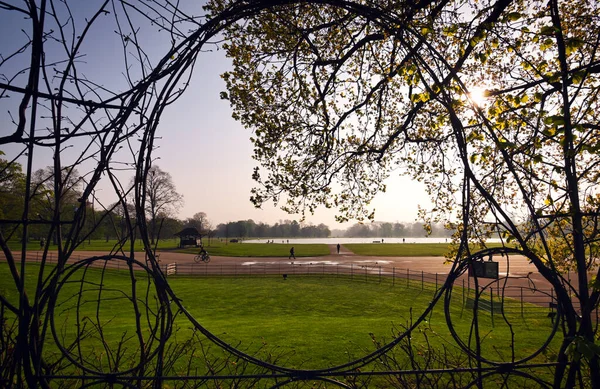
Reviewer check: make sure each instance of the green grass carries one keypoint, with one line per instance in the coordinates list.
(217, 248)
(403, 249)
(399, 249)
(214, 246)
(313, 321)
(323, 319)
(99, 245)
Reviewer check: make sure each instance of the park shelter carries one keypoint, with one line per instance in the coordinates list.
(189, 237)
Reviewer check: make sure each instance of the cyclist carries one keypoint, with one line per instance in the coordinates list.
(202, 252)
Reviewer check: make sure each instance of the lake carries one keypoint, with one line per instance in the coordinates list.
(355, 240)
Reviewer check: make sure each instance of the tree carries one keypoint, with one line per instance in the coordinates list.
(59, 196)
(200, 222)
(386, 230)
(160, 199)
(12, 190)
(380, 85)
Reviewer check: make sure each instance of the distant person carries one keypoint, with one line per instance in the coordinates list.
(338, 247)
(381, 240)
(292, 253)
(403, 240)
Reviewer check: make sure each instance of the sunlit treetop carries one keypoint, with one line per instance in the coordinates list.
(340, 95)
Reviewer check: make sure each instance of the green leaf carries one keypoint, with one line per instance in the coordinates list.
(514, 16)
(556, 120)
(547, 30)
(578, 76)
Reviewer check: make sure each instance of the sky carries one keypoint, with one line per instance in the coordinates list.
(207, 153)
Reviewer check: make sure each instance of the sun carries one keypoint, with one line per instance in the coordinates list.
(478, 95)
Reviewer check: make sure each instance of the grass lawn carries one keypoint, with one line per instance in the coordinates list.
(217, 248)
(308, 321)
(399, 249)
(323, 320)
(403, 249)
(100, 245)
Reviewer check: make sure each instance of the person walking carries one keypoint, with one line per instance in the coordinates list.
(292, 253)
(338, 247)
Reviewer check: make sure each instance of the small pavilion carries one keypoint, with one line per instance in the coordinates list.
(189, 237)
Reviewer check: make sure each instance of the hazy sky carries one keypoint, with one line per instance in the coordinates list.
(209, 154)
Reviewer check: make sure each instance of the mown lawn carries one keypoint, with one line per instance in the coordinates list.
(305, 321)
(101, 245)
(217, 248)
(399, 249)
(403, 249)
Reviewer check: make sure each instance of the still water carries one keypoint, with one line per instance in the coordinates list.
(355, 240)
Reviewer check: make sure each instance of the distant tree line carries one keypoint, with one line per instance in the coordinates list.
(100, 221)
(161, 203)
(283, 229)
(396, 230)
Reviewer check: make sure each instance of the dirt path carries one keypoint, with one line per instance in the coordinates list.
(523, 278)
(343, 250)
(516, 267)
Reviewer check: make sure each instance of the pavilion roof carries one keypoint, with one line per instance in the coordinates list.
(190, 231)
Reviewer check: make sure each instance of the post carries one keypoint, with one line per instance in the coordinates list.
(463, 292)
(498, 287)
(492, 303)
(521, 301)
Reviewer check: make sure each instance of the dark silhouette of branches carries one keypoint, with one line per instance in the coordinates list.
(337, 92)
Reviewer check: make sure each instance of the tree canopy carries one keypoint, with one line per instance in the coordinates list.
(492, 104)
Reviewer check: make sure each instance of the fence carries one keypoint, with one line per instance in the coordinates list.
(491, 295)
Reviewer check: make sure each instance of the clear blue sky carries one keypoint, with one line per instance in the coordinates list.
(207, 153)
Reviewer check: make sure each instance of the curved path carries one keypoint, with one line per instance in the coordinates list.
(518, 266)
(524, 281)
